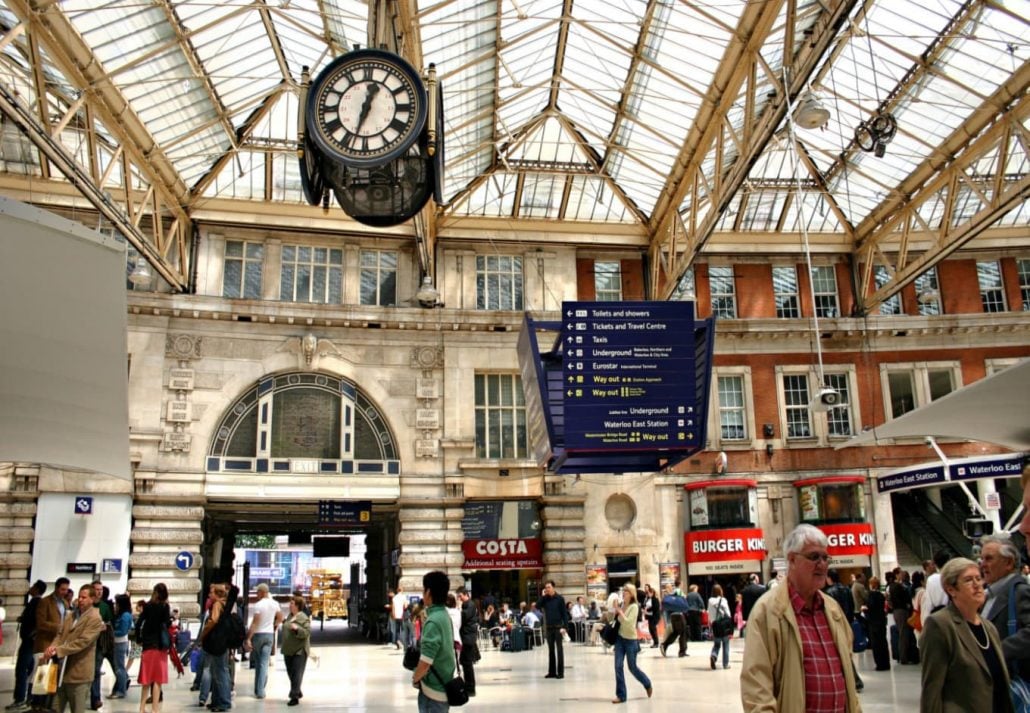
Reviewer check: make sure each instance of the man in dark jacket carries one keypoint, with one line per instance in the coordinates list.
(556, 616)
(841, 593)
(1000, 561)
(677, 607)
(469, 634)
(26, 632)
(695, 605)
(749, 595)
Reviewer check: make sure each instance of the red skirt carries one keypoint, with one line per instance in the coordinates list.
(153, 667)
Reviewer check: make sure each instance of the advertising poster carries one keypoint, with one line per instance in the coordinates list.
(597, 581)
(668, 573)
(809, 501)
(698, 508)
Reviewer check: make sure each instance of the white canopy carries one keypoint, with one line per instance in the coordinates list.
(995, 409)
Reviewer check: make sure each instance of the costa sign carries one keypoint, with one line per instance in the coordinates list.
(723, 545)
(855, 538)
(503, 554)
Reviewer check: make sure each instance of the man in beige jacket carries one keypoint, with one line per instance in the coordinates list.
(797, 658)
(76, 644)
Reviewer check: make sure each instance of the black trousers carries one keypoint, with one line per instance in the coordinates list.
(694, 622)
(678, 631)
(295, 666)
(652, 627)
(878, 643)
(468, 657)
(555, 652)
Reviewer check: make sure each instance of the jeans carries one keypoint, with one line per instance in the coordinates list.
(260, 653)
(428, 705)
(724, 642)
(202, 681)
(121, 676)
(555, 652)
(22, 671)
(627, 649)
(221, 690)
(398, 633)
(295, 666)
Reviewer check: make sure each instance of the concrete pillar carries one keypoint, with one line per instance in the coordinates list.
(159, 533)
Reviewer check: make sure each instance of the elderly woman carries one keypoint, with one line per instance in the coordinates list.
(627, 646)
(296, 647)
(963, 665)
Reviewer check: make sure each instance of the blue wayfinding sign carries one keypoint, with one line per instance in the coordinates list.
(184, 561)
(628, 375)
(921, 476)
(83, 505)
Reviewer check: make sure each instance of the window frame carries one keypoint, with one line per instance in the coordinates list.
(1023, 273)
(820, 309)
(608, 294)
(921, 388)
(715, 411)
(328, 264)
(517, 406)
(930, 281)
(379, 271)
(890, 307)
(819, 422)
(795, 309)
(516, 297)
(246, 264)
(992, 298)
(730, 296)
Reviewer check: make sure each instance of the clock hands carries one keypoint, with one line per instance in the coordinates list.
(366, 107)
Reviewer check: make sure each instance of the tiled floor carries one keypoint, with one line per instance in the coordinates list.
(353, 675)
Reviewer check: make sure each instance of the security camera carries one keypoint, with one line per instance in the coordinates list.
(826, 399)
(928, 440)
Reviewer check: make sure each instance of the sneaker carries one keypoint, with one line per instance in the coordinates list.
(662, 649)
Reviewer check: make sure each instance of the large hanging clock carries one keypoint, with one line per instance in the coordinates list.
(366, 108)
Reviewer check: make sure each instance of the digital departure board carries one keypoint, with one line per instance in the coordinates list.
(628, 375)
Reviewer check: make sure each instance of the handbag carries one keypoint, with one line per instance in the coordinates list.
(1019, 689)
(46, 678)
(723, 624)
(455, 688)
(411, 656)
(610, 633)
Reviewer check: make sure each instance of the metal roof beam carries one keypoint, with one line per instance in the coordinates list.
(705, 142)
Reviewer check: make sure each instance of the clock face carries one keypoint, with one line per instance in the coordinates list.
(366, 108)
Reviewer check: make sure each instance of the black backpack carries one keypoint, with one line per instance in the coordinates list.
(228, 633)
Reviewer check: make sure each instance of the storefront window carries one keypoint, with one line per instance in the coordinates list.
(722, 507)
(832, 502)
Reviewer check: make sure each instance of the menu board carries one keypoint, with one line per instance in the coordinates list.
(628, 376)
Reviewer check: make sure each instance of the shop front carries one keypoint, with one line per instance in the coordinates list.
(723, 543)
(503, 550)
(836, 505)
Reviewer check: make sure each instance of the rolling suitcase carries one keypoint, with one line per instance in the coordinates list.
(518, 639)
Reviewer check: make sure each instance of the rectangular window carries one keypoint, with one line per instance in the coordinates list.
(891, 305)
(241, 276)
(607, 280)
(1023, 266)
(378, 278)
(500, 417)
(941, 382)
(499, 282)
(785, 288)
(903, 392)
(795, 399)
(732, 422)
(992, 291)
(838, 418)
(824, 289)
(721, 288)
(928, 293)
(311, 274)
(684, 291)
(911, 386)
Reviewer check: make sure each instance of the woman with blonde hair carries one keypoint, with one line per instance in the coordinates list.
(627, 646)
(963, 663)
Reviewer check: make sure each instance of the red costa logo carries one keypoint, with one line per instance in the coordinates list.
(503, 554)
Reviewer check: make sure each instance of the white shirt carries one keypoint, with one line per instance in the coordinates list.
(530, 619)
(398, 604)
(263, 620)
(935, 596)
(579, 612)
(455, 615)
(717, 606)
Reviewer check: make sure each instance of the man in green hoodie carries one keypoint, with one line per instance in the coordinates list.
(436, 666)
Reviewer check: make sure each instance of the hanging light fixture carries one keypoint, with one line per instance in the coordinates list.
(427, 295)
(875, 133)
(811, 113)
(141, 274)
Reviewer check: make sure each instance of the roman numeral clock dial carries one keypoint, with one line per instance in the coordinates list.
(366, 108)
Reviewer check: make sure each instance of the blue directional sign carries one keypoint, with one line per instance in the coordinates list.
(184, 561)
(344, 512)
(83, 505)
(628, 375)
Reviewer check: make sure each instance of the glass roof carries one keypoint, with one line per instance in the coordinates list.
(588, 111)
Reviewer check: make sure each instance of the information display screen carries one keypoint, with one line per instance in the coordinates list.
(628, 374)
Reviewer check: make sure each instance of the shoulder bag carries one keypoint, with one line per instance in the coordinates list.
(723, 624)
(610, 632)
(1019, 688)
(455, 688)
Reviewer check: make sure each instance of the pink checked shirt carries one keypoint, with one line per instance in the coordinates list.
(825, 688)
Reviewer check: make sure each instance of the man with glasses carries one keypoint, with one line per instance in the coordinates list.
(798, 650)
(999, 559)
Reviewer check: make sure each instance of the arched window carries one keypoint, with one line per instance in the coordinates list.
(303, 423)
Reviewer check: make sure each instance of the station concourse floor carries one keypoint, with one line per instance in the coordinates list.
(354, 675)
